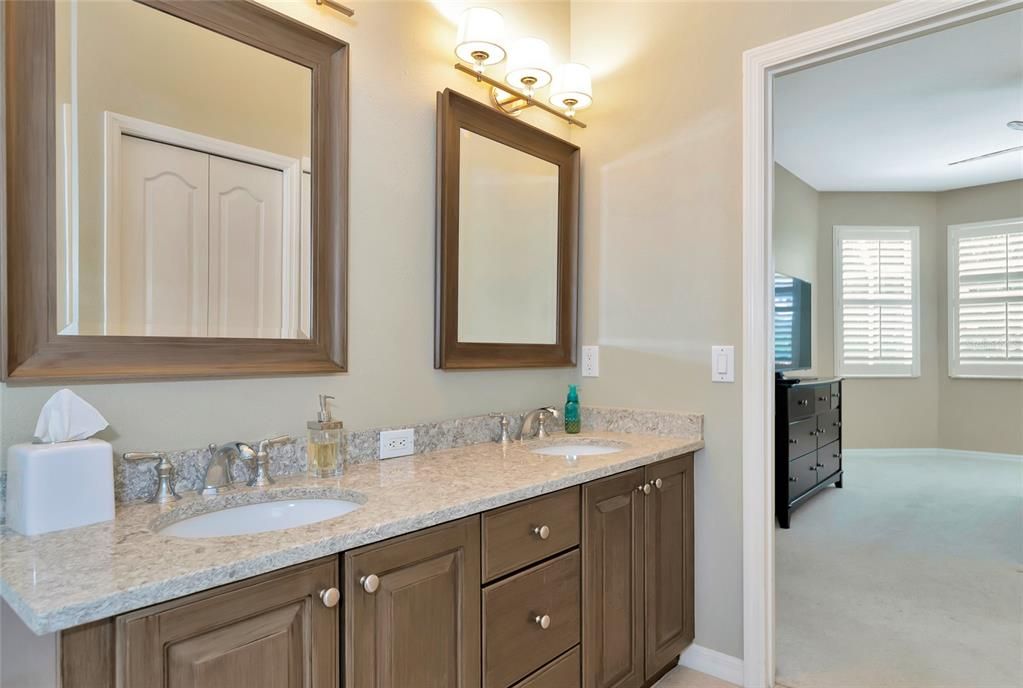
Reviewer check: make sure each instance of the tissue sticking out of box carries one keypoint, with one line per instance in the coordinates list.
(67, 417)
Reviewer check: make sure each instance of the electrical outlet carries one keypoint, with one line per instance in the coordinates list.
(591, 361)
(397, 443)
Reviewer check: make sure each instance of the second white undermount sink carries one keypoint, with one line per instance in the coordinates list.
(259, 518)
(577, 449)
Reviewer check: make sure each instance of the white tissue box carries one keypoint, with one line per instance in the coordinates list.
(60, 485)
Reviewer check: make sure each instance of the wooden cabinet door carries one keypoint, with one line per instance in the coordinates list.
(417, 621)
(669, 561)
(271, 632)
(613, 523)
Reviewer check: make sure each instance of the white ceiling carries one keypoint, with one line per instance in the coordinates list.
(891, 119)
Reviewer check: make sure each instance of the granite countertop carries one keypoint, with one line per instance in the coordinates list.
(62, 579)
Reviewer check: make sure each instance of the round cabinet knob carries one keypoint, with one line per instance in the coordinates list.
(543, 622)
(804, 402)
(793, 440)
(542, 532)
(658, 483)
(820, 465)
(370, 583)
(793, 479)
(646, 489)
(330, 597)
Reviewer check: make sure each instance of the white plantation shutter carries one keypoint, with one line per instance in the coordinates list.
(985, 299)
(876, 301)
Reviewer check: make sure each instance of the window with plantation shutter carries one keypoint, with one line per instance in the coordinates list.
(985, 297)
(877, 305)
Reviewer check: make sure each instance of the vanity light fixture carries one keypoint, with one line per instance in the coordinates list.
(529, 68)
(480, 32)
(334, 5)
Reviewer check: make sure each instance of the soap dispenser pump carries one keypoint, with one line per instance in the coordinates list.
(325, 449)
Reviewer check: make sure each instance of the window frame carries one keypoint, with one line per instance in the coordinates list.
(864, 232)
(957, 369)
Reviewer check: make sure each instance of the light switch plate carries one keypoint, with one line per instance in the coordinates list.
(397, 443)
(591, 361)
(722, 364)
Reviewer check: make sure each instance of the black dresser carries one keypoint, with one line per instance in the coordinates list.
(807, 441)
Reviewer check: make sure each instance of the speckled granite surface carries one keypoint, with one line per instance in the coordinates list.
(66, 578)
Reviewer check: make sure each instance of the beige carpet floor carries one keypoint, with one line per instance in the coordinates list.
(684, 677)
(911, 576)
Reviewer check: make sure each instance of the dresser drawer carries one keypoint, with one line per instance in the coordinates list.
(836, 395)
(802, 437)
(563, 672)
(802, 475)
(515, 644)
(801, 402)
(822, 398)
(828, 428)
(829, 460)
(518, 535)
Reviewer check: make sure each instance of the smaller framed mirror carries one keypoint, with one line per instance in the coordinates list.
(507, 241)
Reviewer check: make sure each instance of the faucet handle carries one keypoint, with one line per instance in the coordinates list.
(263, 447)
(164, 474)
(261, 475)
(505, 425)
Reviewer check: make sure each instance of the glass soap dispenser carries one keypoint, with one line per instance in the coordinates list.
(326, 443)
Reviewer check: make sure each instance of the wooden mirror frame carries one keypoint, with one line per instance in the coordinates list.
(454, 113)
(30, 347)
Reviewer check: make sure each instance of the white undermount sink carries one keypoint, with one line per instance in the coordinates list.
(259, 518)
(577, 449)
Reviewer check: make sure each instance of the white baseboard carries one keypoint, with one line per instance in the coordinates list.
(713, 663)
(933, 452)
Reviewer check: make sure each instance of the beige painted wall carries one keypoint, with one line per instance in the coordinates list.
(661, 238)
(879, 412)
(401, 56)
(978, 415)
(795, 237)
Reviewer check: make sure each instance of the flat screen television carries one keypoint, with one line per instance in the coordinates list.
(791, 323)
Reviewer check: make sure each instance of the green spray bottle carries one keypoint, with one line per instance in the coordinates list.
(572, 411)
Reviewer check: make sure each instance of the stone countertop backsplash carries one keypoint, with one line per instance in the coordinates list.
(123, 564)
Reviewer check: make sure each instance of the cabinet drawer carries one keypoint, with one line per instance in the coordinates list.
(513, 536)
(802, 475)
(563, 672)
(828, 427)
(829, 460)
(800, 402)
(822, 398)
(802, 437)
(514, 641)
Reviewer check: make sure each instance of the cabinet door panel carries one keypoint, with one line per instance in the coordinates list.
(669, 561)
(272, 632)
(421, 626)
(613, 582)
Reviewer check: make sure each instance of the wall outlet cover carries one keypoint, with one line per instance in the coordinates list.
(397, 443)
(591, 361)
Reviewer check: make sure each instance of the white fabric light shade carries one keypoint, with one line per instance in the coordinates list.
(480, 30)
(529, 59)
(572, 83)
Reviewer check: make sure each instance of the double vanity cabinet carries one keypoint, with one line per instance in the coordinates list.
(587, 587)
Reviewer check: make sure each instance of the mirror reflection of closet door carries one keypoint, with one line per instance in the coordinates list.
(248, 252)
(157, 279)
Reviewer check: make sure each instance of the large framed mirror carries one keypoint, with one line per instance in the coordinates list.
(176, 191)
(507, 241)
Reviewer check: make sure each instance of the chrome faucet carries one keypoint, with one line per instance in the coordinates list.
(218, 476)
(539, 418)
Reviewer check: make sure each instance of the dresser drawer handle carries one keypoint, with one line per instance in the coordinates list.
(820, 465)
(793, 479)
(793, 440)
(542, 532)
(837, 423)
(813, 468)
(804, 402)
(822, 398)
(544, 622)
(837, 456)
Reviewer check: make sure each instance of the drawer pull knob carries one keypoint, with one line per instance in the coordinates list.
(837, 456)
(330, 597)
(793, 440)
(658, 483)
(370, 583)
(793, 479)
(837, 423)
(820, 465)
(813, 468)
(543, 622)
(804, 402)
(822, 398)
(645, 488)
(542, 532)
